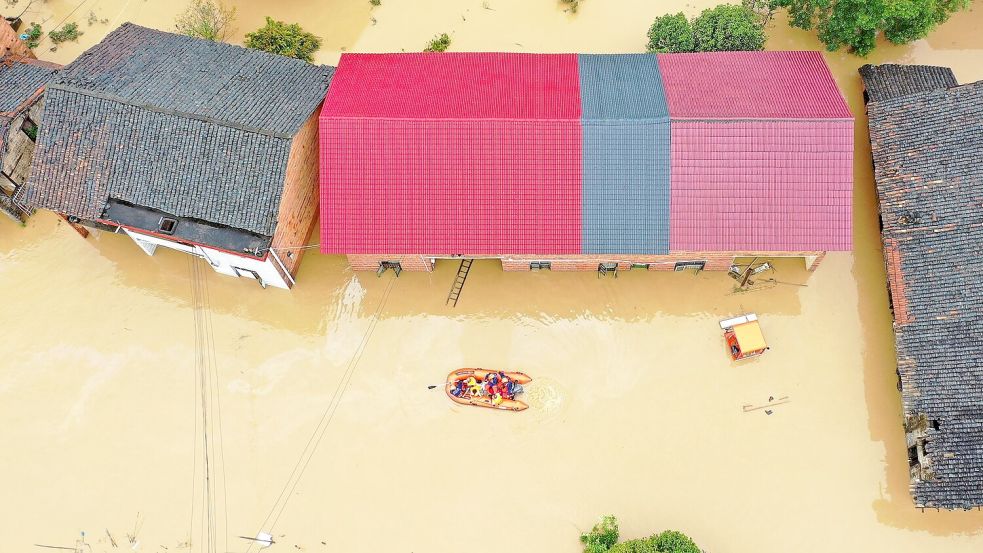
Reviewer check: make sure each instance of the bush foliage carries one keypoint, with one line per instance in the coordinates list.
(671, 33)
(282, 39)
(439, 43)
(207, 19)
(856, 24)
(69, 31)
(33, 36)
(604, 536)
(726, 27)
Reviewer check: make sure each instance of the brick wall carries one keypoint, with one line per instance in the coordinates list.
(895, 281)
(715, 261)
(10, 43)
(299, 202)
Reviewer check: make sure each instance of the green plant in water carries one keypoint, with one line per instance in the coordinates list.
(857, 23)
(574, 4)
(207, 19)
(439, 43)
(33, 36)
(282, 39)
(602, 536)
(69, 31)
(375, 2)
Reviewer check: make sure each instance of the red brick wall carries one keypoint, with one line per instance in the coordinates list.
(299, 202)
(895, 281)
(715, 261)
(10, 43)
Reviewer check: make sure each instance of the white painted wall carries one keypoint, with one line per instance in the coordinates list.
(223, 262)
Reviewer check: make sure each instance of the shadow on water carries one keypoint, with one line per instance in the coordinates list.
(894, 507)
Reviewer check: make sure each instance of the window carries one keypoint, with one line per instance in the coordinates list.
(167, 225)
(683, 265)
(604, 268)
(30, 128)
(640, 266)
(539, 265)
(385, 265)
(240, 272)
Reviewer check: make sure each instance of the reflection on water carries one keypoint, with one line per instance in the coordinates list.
(635, 408)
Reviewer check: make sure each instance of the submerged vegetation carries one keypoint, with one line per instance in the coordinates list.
(603, 538)
(726, 27)
(856, 24)
(33, 36)
(282, 39)
(69, 31)
(439, 43)
(207, 19)
(574, 4)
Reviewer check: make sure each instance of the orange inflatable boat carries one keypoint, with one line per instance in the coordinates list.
(483, 400)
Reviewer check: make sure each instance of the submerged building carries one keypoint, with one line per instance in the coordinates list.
(926, 135)
(585, 162)
(198, 146)
(22, 81)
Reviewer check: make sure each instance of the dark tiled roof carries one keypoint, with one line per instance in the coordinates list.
(188, 127)
(213, 80)
(887, 81)
(926, 149)
(20, 78)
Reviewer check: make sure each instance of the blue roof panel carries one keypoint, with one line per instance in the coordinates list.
(621, 86)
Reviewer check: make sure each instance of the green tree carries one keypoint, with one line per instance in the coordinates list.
(671, 541)
(671, 33)
(728, 27)
(857, 23)
(602, 536)
(282, 39)
(207, 19)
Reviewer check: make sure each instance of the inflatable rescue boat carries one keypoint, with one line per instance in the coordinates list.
(484, 400)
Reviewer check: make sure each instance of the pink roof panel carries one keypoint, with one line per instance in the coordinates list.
(751, 85)
(761, 186)
(455, 86)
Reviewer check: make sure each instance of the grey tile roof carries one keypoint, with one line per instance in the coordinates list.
(19, 80)
(927, 149)
(188, 127)
(625, 192)
(212, 80)
(883, 82)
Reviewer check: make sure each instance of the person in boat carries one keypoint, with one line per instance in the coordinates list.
(474, 388)
(458, 390)
(507, 386)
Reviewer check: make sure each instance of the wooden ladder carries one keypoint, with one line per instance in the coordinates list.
(462, 275)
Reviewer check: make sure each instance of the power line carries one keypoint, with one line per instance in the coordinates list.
(312, 443)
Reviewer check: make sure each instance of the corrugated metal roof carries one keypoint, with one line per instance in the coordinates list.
(450, 186)
(762, 185)
(751, 85)
(452, 85)
(621, 86)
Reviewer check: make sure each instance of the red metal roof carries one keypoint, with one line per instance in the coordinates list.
(761, 185)
(456, 86)
(751, 85)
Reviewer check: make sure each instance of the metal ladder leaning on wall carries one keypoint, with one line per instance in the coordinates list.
(462, 275)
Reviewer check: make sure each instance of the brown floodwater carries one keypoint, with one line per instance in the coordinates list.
(635, 408)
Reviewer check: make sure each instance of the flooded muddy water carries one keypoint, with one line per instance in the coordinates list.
(329, 432)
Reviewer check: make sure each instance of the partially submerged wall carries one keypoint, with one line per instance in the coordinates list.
(10, 43)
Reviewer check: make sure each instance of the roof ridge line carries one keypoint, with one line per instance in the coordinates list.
(166, 111)
(767, 119)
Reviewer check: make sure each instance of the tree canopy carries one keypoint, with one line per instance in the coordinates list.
(603, 538)
(671, 33)
(728, 27)
(856, 24)
(207, 19)
(725, 27)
